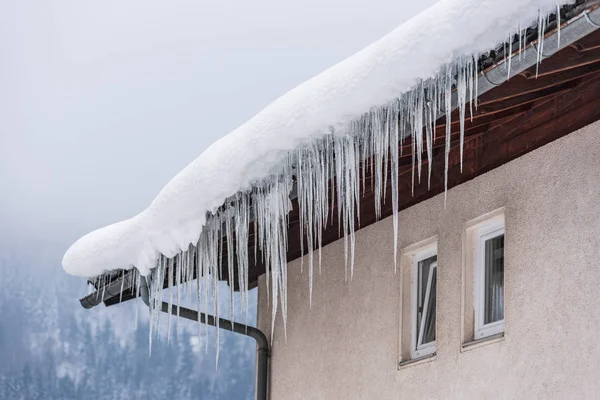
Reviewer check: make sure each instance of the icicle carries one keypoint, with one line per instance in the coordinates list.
(379, 150)
(386, 154)
(394, 156)
(328, 171)
(461, 89)
(227, 220)
(558, 27)
(310, 214)
(350, 204)
(122, 283)
(331, 171)
(510, 38)
(504, 53)
(170, 287)
(418, 126)
(524, 39)
(307, 200)
(401, 122)
(413, 150)
(242, 221)
(520, 41)
(472, 69)
(540, 41)
(178, 268)
(199, 281)
(476, 78)
(104, 284)
(543, 36)
(137, 280)
(448, 111)
(430, 127)
(216, 276)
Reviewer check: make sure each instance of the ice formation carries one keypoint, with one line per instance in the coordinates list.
(317, 142)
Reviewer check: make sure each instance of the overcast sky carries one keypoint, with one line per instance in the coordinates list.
(103, 102)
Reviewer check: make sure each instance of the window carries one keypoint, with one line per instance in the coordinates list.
(418, 294)
(489, 279)
(424, 304)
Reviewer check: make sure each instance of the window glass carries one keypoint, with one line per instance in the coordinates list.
(426, 296)
(494, 280)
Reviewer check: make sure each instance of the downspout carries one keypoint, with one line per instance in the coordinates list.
(262, 352)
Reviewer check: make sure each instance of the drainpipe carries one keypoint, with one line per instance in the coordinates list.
(262, 352)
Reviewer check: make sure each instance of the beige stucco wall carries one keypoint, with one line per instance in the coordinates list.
(346, 346)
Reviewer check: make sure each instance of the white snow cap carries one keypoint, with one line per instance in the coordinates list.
(372, 77)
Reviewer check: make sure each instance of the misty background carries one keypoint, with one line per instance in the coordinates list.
(101, 104)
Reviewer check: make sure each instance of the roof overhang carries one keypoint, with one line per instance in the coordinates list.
(534, 107)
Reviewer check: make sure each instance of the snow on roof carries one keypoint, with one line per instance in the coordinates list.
(417, 50)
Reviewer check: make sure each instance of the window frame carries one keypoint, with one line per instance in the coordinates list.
(423, 350)
(487, 231)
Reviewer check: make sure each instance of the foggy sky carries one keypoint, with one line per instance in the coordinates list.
(103, 102)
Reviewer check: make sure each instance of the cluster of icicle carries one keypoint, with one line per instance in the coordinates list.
(369, 144)
(329, 178)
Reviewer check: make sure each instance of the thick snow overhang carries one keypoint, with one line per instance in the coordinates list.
(536, 105)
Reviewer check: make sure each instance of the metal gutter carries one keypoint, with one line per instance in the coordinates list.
(570, 31)
(110, 291)
(262, 351)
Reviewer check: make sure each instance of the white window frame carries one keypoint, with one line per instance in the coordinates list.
(418, 350)
(485, 232)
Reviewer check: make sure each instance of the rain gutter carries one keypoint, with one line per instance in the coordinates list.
(262, 351)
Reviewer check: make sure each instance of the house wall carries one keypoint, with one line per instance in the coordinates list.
(347, 345)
